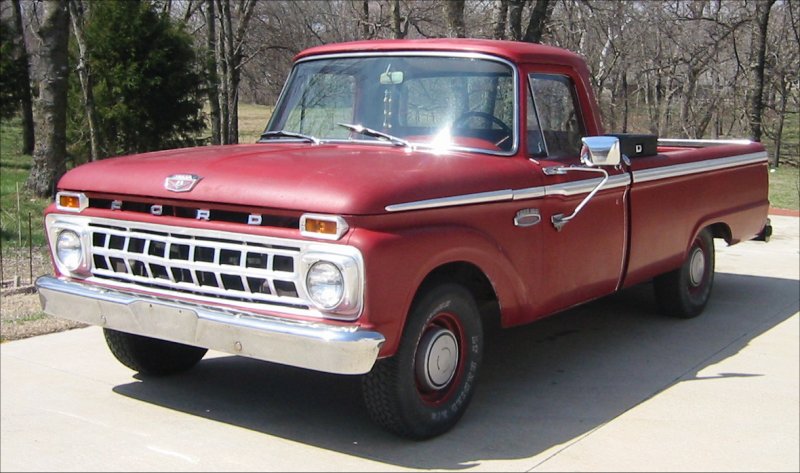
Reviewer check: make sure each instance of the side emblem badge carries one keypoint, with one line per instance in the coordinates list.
(181, 182)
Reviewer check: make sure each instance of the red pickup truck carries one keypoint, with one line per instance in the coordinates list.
(404, 194)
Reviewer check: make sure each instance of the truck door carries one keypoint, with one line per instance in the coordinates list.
(584, 257)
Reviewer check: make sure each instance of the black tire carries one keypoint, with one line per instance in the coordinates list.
(684, 293)
(410, 396)
(152, 356)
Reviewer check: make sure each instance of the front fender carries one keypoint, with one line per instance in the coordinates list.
(397, 263)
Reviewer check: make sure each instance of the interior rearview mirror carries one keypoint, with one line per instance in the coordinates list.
(600, 151)
(392, 78)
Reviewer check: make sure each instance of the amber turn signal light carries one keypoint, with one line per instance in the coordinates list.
(71, 201)
(328, 227)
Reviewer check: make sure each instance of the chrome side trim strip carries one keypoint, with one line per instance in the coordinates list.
(585, 186)
(699, 143)
(529, 193)
(568, 189)
(698, 167)
(316, 346)
(479, 198)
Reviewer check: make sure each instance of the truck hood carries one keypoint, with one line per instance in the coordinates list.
(352, 179)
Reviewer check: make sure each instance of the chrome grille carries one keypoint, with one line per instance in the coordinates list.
(187, 261)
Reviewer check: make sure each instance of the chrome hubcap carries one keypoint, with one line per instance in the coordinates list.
(437, 359)
(697, 267)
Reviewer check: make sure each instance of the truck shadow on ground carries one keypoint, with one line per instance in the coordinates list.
(541, 386)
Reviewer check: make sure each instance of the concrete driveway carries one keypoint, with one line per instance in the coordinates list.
(610, 386)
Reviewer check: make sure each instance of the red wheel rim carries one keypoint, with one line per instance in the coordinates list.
(436, 341)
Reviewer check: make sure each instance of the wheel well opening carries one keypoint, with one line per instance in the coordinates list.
(721, 230)
(475, 281)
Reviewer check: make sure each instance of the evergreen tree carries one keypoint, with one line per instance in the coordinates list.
(147, 81)
(12, 75)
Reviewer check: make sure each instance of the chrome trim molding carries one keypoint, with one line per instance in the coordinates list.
(699, 143)
(331, 349)
(479, 198)
(677, 170)
(529, 193)
(583, 186)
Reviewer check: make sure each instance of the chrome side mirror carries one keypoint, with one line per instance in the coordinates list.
(601, 151)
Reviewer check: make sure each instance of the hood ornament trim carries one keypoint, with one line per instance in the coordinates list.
(181, 182)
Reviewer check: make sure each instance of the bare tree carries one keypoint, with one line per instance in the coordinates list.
(28, 136)
(49, 156)
(538, 17)
(500, 19)
(454, 13)
(212, 79)
(399, 23)
(77, 13)
(759, 45)
(230, 55)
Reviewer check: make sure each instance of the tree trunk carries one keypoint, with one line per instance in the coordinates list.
(49, 156)
(454, 13)
(77, 14)
(501, 13)
(222, 71)
(211, 67)
(759, 45)
(398, 32)
(515, 18)
(537, 23)
(28, 136)
(365, 12)
(781, 119)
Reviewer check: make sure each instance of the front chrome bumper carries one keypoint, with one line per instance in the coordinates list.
(316, 346)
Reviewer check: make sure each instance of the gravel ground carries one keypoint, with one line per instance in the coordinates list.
(21, 314)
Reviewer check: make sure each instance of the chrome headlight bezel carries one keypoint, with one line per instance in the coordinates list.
(55, 229)
(349, 302)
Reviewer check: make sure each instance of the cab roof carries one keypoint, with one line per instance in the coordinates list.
(514, 51)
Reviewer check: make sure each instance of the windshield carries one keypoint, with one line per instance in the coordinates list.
(436, 101)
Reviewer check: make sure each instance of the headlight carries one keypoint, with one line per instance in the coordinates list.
(69, 250)
(325, 284)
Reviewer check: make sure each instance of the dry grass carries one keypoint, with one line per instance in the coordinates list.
(252, 121)
(21, 314)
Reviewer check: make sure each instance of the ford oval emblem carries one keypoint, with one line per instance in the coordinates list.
(181, 182)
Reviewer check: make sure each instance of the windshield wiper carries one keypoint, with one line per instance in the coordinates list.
(362, 130)
(289, 134)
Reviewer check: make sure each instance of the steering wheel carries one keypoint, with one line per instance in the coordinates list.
(489, 118)
(486, 116)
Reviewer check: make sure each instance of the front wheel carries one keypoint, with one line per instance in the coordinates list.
(152, 356)
(425, 388)
(684, 293)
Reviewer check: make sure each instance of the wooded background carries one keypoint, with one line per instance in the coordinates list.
(691, 69)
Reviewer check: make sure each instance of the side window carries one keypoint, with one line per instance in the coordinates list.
(535, 139)
(558, 113)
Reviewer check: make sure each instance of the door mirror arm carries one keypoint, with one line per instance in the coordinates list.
(559, 220)
(596, 151)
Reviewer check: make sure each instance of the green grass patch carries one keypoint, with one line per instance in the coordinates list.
(784, 187)
(16, 204)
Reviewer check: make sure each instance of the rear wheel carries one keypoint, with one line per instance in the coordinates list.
(425, 388)
(684, 293)
(150, 355)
